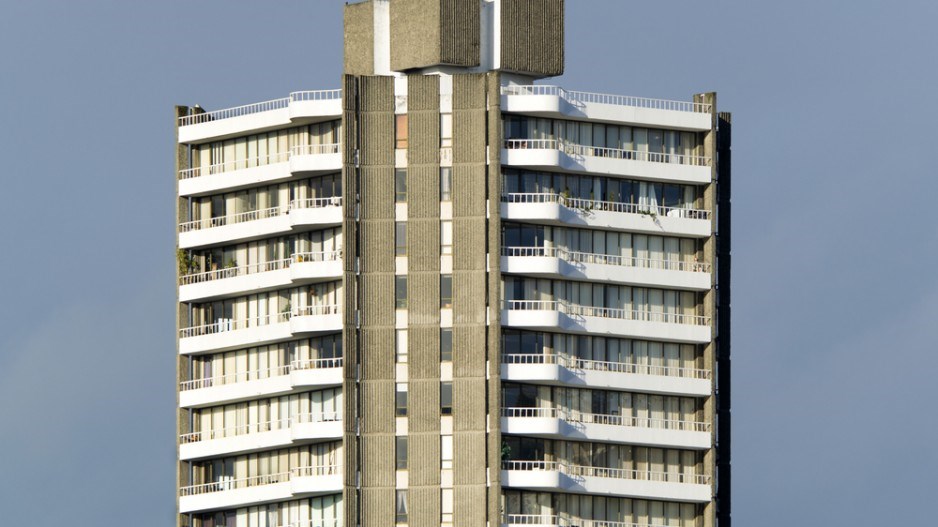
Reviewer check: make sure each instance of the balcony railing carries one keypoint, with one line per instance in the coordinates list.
(238, 164)
(312, 311)
(258, 107)
(257, 428)
(574, 363)
(573, 149)
(223, 325)
(606, 312)
(606, 419)
(316, 364)
(560, 521)
(264, 267)
(277, 371)
(592, 205)
(222, 380)
(255, 481)
(270, 159)
(580, 97)
(260, 214)
(579, 471)
(577, 257)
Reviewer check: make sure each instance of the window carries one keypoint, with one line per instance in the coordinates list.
(446, 237)
(401, 507)
(446, 291)
(400, 346)
(446, 130)
(446, 452)
(400, 292)
(446, 398)
(400, 399)
(446, 183)
(400, 443)
(400, 131)
(400, 185)
(446, 345)
(400, 238)
(446, 508)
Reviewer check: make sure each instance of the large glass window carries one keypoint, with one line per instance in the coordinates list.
(400, 443)
(446, 398)
(446, 345)
(400, 185)
(446, 291)
(400, 292)
(400, 238)
(400, 131)
(400, 399)
(446, 183)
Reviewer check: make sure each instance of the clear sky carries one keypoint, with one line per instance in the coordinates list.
(834, 248)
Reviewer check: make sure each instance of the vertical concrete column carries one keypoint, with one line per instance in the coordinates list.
(423, 300)
(374, 152)
(470, 293)
(182, 315)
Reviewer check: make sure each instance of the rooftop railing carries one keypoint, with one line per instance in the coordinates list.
(574, 363)
(578, 257)
(258, 107)
(606, 312)
(574, 417)
(580, 97)
(579, 471)
(573, 149)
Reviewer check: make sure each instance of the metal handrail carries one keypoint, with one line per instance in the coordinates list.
(605, 259)
(316, 203)
(307, 311)
(226, 324)
(320, 149)
(222, 380)
(574, 149)
(601, 472)
(560, 521)
(221, 221)
(238, 164)
(575, 363)
(263, 267)
(603, 98)
(606, 312)
(576, 417)
(590, 205)
(248, 109)
(316, 364)
(230, 483)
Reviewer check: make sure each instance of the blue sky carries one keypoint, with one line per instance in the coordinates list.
(835, 248)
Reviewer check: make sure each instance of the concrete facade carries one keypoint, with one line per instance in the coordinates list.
(473, 384)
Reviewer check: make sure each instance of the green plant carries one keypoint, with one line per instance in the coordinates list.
(506, 451)
(230, 264)
(187, 264)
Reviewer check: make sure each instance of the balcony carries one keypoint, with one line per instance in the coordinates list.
(555, 209)
(556, 102)
(555, 423)
(229, 492)
(550, 520)
(551, 154)
(561, 316)
(300, 107)
(300, 268)
(299, 375)
(561, 370)
(560, 477)
(231, 175)
(302, 214)
(226, 334)
(281, 433)
(553, 262)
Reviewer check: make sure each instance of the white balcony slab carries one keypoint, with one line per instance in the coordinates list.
(316, 216)
(639, 329)
(236, 391)
(628, 488)
(556, 160)
(303, 272)
(234, 179)
(237, 338)
(316, 431)
(317, 485)
(316, 323)
(557, 214)
(315, 110)
(236, 497)
(556, 106)
(320, 163)
(558, 428)
(556, 267)
(236, 444)
(557, 375)
(316, 377)
(211, 289)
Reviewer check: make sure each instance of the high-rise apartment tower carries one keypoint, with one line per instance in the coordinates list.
(446, 294)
